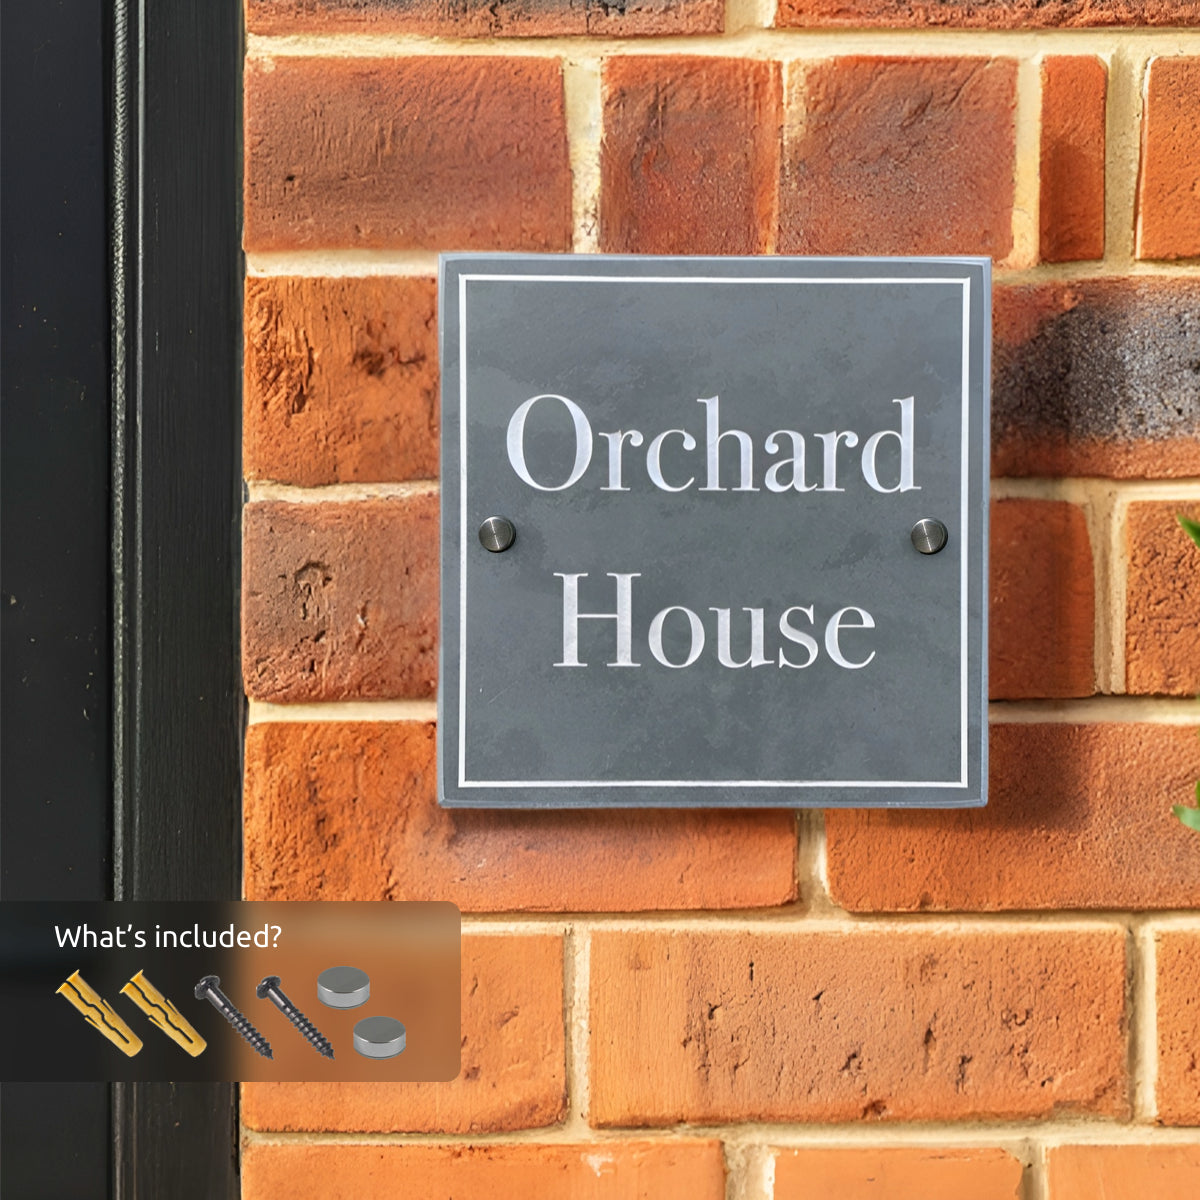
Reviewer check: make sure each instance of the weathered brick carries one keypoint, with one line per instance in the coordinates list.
(1169, 182)
(513, 1058)
(900, 156)
(690, 155)
(1041, 629)
(1078, 816)
(909, 1173)
(341, 380)
(339, 810)
(1072, 164)
(411, 152)
(1097, 377)
(1162, 640)
(1178, 992)
(988, 14)
(486, 18)
(634, 1170)
(1123, 1172)
(715, 1026)
(339, 600)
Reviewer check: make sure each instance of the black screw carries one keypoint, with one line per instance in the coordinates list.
(269, 989)
(209, 989)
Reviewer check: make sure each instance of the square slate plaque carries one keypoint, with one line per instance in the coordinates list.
(713, 469)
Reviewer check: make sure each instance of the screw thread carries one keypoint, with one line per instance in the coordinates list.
(312, 1034)
(209, 989)
(242, 1024)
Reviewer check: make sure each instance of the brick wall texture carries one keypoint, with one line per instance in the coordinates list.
(1001, 1004)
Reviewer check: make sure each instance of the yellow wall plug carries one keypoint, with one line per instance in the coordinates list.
(163, 1014)
(99, 1014)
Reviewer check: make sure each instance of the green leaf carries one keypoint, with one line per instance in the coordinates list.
(1189, 816)
(1190, 527)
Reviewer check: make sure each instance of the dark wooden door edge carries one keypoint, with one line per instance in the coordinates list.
(56, 713)
(176, 512)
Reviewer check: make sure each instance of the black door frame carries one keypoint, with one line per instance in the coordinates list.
(170, 342)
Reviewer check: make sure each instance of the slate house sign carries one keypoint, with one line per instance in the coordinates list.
(713, 531)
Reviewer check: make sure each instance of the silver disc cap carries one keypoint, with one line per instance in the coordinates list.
(343, 987)
(379, 1037)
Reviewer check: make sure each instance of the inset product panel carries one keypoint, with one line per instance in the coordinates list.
(251, 991)
(713, 531)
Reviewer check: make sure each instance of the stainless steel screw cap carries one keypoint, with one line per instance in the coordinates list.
(379, 1037)
(343, 987)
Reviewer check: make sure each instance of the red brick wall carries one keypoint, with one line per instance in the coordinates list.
(737, 1006)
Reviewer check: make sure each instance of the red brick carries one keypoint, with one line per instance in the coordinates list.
(1123, 1172)
(901, 156)
(1169, 183)
(348, 811)
(596, 1171)
(513, 1058)
(486, 18)
(1162, 651)
(1072, 166)
(341, 380)
(413, 152)
(690, 155)
(911, 1173)
(1097, 377)
(988, 14)
(1041, 627)
(1178, 989)
(1078, 816)
(910, 1025)
(339, 600)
